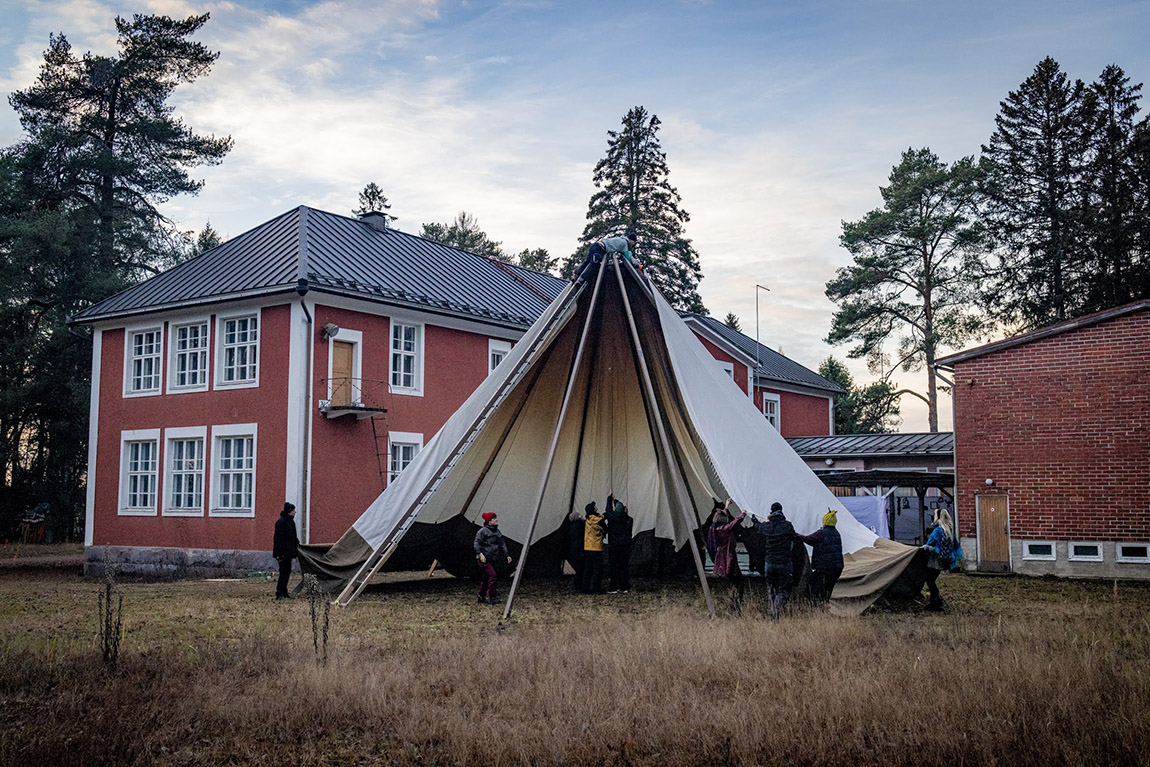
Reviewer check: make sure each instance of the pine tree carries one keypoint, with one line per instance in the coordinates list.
(372, 200)
(916, 271)
(732, 321)
(870, 409)
(464, 233)
(1114, 275)
(79, 220)
(537, 259)
(207, 239)
(634, 194)
(1035, 202)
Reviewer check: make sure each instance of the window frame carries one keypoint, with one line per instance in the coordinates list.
(173, 353)
(778, 402)
(129, 360)
(221, 320)
(1120, 557)
(355, 338)
(220, 433)
(395, 438)
(1030, 557)
(184, 433)
(130, 437)
(1071, 556)
(727, 367)
(497, 346)
(416, 389)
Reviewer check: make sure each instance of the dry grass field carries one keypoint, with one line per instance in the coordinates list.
(1017, 671)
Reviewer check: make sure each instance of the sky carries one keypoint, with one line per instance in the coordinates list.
(780, 120)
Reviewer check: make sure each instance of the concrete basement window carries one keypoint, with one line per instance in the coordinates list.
(1039, 550)
(1085, 552)
(1134, 552)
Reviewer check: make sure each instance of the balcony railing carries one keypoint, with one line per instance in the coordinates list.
(360, 397)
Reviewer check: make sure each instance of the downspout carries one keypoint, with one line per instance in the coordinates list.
(302, 287)
(954, 441)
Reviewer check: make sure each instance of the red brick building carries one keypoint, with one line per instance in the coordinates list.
(307, 360)
(1052, 447)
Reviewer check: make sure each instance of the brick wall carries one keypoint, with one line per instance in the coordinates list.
(1062, 426)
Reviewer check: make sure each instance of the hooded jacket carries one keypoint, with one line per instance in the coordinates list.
(780, 537)
(285, 542)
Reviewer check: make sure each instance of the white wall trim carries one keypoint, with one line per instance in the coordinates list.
(296, 406)
(174, 433)
(778, 400)
(1120, 557)
(496, 346)
(412, 316)
(1028, 555)
(403, 438)
(93, 436)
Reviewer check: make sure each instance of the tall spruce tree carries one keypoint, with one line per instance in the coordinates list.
(79, 220)
(1115, 272)
(634, 194)
(917, 265)
(1036, 204)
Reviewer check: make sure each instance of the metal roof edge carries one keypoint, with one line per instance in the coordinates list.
(1059, 328)
(201, 301)
(425, 308)
(693, 321)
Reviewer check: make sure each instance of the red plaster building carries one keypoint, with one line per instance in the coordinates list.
(306, 360)
(1052, 447)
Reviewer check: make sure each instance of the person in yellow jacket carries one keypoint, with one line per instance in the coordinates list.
(593, 550)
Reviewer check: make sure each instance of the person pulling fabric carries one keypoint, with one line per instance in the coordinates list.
(826, 559)
(619, 527)
(780, 539)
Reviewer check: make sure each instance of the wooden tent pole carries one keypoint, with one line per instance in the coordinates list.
(665, 443)
(554, 442)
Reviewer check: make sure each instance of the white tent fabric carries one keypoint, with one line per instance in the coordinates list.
(491, 455)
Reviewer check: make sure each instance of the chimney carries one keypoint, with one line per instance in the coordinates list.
(375, 219)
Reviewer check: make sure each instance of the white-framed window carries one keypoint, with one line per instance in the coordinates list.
(402, 447)
(184, 471)
(188, 367)
(238, 351)
(772, 407)
(728, 368)
(1043, 551)
(143, 355)
(1084, 551)
(1138, 553)
(406, 358)
(234, 470)
(139, 478)
(497, 351)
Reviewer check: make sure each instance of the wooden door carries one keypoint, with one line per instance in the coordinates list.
(993, 533)
(341, 382)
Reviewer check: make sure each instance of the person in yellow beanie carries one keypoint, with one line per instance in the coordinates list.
(826, 559)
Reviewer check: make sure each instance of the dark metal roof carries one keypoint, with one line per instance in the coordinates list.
(1046, 332)
(337, 254)
(888, 478)
(772, 365)
(846, 445)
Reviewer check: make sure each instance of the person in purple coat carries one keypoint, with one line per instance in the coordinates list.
(724, 536)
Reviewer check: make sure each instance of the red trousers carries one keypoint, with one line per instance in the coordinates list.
(486, 579)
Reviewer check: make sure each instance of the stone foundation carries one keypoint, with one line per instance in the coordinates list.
(178, 563)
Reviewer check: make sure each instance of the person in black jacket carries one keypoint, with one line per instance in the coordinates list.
(489, 547)
(826, 559)
(285, 547)
(575, 530)
(619, 526)
(780, 541)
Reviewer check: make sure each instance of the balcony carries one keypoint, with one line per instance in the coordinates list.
(360, 397)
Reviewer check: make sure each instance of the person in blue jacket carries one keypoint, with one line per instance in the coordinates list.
(826, 557)
(942, 554)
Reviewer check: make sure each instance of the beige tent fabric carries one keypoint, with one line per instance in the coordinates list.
(609, 441)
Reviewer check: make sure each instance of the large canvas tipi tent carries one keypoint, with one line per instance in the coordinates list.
(608, 391)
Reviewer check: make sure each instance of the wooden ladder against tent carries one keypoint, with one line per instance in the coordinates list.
(381, 554)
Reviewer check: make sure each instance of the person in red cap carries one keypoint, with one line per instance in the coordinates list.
(489, 545)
